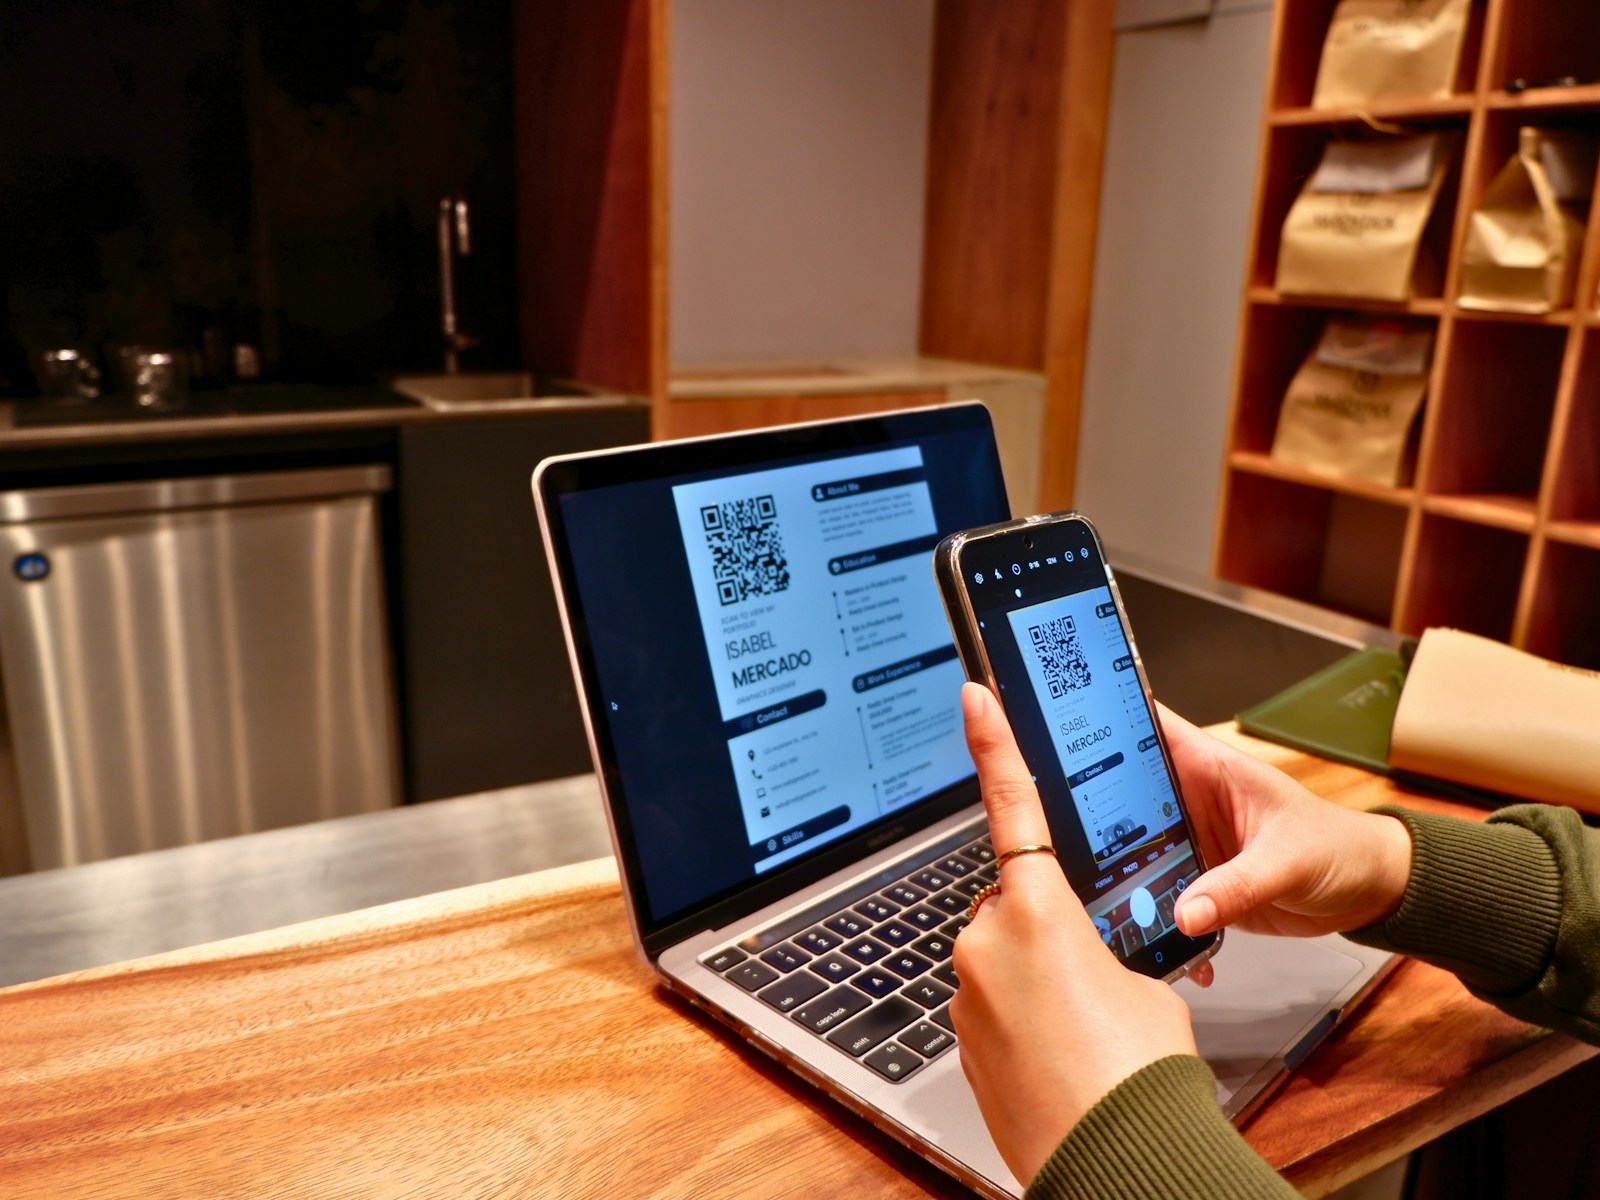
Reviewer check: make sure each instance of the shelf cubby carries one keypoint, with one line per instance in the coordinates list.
(1575, 491)
(1465, 575)
(1491, 418)
(1336, 549)
(1302, 29)
(1544, 40)
(1296, 149)
(1564, 621)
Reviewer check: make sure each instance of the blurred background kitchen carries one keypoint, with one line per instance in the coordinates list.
(213, 175)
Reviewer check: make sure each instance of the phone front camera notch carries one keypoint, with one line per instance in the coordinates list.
(1027, 541)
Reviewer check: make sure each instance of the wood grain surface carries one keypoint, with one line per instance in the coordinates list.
(505, 1040)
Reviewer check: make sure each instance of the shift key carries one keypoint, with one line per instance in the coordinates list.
(884, 1020)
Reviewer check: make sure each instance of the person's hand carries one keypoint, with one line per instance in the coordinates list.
(1049, 1020)
(1281, 859)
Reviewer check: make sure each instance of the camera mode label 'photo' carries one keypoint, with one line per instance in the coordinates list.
(823, 629)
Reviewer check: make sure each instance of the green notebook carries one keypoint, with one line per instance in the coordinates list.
(1343, 712)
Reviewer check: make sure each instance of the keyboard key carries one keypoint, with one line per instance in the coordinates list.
(906, 964)
(904, 894)
(865, 950)
(945, 973)
(980, 852)
(925, 918)
(835, 968)
(893, 1061)
(927, 991)
(955, 865)
(936, 946)
(879, 1023)
(787, 957)
(951, 902)
(792, 991)
(928, 1039)
(968, 887)
(818, 940)
(830, 1010)
(727, 957)
(896, 933)
(848, 924)
(932, 880)
(877, 908)
(942, 1015)
(752, 975)
(954, 927)
(877, 984)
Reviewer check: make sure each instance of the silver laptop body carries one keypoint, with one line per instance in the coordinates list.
(770, 695)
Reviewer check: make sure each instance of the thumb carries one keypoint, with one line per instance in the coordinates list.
(1230, 892)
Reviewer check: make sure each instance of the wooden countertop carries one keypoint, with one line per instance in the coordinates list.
(505, 1039)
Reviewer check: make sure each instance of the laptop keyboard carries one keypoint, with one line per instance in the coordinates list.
(872, 977)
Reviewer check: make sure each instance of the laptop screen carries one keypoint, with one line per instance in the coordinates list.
(766, 664)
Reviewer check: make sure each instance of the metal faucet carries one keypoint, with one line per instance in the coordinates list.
(455, 238)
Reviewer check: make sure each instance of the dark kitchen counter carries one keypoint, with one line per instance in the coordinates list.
(255, 410)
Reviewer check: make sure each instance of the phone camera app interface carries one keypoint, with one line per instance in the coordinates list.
(1075, 698)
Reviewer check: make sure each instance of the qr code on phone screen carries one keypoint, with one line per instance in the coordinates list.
(1055, 643)
(746, 548)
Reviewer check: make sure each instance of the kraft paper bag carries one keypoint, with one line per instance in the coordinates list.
(1525, 237)
(1356, 229)
(1478, 712)
(1390, 49)
(1350, 408)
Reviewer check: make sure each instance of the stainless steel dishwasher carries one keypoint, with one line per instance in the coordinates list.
(187, 659)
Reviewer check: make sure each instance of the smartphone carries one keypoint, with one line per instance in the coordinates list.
(1037, 618)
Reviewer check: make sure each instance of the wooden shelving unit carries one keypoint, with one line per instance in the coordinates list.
(1499, 533)
(1012, 194)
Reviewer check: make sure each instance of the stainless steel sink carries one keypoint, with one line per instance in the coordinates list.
(486, 390)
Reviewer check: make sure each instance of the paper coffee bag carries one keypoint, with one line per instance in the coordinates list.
(1524, 238)
(1356, 229)
(1350, 407)
(1390, 49)
(1477, 712)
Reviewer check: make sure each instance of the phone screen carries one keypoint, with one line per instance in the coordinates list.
(1058, 646)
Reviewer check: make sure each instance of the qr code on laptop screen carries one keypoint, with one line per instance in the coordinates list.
(1061, 659)
(746, 548)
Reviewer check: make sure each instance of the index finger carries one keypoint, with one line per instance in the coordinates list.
(1016, 817)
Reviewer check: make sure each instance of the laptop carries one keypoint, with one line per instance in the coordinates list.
(772, 701)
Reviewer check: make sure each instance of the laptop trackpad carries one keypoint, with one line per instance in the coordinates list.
(1270, 992)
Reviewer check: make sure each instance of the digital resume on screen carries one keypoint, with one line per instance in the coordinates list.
(823, 632)
(774, 658)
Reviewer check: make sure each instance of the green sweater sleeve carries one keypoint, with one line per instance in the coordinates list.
(1511, 906)
(1160, 1132)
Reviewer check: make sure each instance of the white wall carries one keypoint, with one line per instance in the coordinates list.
(798, 150)
(798, 145)
(1169, 271)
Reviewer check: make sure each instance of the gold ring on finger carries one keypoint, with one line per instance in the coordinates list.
(1037, 848)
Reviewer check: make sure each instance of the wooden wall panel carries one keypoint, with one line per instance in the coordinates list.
(991, 180)
(1089, 41)
(588, 183)
(1016, 141)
